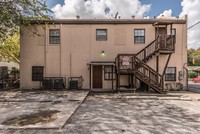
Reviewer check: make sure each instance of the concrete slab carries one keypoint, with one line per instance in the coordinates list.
(114, 115)
(18, 103)
(103, 113)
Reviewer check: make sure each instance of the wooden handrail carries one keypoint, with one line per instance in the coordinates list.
(162, 42)
(148, 74)
(166, 42)
(148, 50)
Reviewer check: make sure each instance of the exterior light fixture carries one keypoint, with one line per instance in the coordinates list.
(103, 53)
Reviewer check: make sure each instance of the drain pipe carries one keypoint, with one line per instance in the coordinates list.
(186, 75)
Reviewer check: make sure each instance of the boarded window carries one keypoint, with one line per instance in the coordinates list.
(101, 34)
(37, 73)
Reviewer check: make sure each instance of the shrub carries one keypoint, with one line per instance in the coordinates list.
(192, 74)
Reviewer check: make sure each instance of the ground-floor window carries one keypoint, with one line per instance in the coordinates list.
(170, 74)
(109, 73)
(37, 73)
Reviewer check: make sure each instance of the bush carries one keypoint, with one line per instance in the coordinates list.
(192, 74)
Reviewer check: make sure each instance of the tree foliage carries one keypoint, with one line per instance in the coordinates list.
(16, 13)
(194, 57)
(9, 48)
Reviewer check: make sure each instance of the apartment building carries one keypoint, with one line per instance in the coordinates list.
(107, 53)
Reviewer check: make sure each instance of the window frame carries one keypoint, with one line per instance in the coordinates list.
(101, 38)
(37, 75)
(174, 29)
(109, 76)
(170, 76)
(139, 36)
(53, 36)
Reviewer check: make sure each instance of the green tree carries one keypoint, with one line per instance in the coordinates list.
(194, 57)
(17, 13)
(9, 48)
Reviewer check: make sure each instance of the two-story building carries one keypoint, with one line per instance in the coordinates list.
(107, 53)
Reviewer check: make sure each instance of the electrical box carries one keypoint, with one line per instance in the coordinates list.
(180, 75)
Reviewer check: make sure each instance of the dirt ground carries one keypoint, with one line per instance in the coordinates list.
(80, 113)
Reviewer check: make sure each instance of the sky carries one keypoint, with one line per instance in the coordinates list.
(69, 9)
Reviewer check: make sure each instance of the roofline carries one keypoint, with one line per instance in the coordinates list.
(111, 21)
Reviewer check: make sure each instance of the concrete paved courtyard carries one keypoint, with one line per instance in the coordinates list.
(80, 113)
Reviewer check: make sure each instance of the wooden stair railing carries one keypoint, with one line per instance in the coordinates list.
(146, 53)
(138, 66)
(164, 43)
(148, 75)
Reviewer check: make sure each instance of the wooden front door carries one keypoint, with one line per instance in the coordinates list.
(97, 76)
(161, 31)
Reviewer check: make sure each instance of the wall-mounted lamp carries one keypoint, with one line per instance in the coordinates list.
(103, 53)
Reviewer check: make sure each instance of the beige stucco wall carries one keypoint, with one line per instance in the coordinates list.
(78, 47)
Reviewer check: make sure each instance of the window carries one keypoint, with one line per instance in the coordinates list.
(174, 31)
(170, 74)
(108, 72)
(174, 34)
(54, 36)
(139, 36)
(37, 73)
(101, 34)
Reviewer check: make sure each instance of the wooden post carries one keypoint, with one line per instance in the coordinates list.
(157, 63)
(166, 65)
(119, 82)
(90, 77)
(112, 77)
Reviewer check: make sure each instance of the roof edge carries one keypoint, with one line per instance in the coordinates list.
(109, 21)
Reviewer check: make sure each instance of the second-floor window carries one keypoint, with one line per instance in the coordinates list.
(174, 34)
(101, 34)
(54, 36)
(139, 36)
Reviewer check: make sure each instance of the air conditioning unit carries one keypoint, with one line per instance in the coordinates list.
(47, 83)
(73, 84)
(59, 83)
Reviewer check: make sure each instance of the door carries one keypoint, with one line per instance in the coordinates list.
(162, 32)
(97, 76)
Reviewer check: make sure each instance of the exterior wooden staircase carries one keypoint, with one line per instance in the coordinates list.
(163, 44)
(138, 68)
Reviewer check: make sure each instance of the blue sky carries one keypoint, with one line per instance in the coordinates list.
(51, 3)
(157, 6)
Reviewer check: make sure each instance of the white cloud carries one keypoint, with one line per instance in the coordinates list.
(191, 8)
(97, 8)
(166, 13)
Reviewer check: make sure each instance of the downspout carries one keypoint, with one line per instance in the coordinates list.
(60, 50)
(70, 65)
(70, 54)
(185, 64)
(186, 75)
(45, 53)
